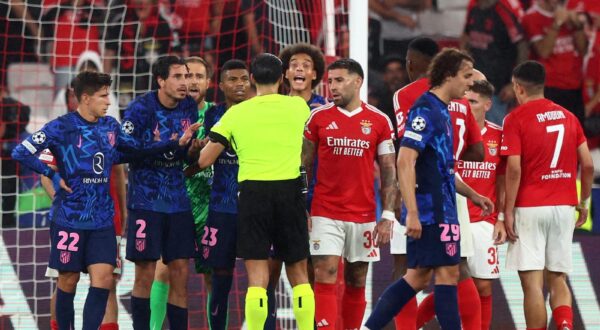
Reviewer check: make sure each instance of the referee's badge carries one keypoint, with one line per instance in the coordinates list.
(366, 126)
(316, 244)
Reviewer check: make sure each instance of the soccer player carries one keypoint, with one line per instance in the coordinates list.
(161, 223)
(218, 241)
(427, 184)
(486, 178)
(117, 192)
(543, 143)
(198, 188)
(467, 146)
(271, 206)
(348, 134)
(85, 145)
(303, 67)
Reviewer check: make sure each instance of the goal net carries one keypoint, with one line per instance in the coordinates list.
(45, 43)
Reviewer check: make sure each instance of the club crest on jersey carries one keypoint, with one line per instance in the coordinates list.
(65, 257)
(366, 126)
(493, 148)
(316, 244)
(111, 138)
(185, 124)
(451, 249)
(418, 123)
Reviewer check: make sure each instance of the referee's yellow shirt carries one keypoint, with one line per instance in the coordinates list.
(266, 133)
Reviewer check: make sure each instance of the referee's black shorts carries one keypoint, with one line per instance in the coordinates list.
(272, 212)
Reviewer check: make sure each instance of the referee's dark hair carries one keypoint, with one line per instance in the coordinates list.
(266, 69)
(233, 64)
(446, 64)
(425, 46)
(89, 82)
(312, 51)
(161, 68)
(349, 64)
(531, 75)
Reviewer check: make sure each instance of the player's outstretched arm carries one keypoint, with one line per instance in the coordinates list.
(484, 203)
(210, 152)
(407, 179)
(389, 190)
(513, 180)
(587, 175)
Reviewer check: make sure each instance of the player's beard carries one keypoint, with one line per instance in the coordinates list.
(342, 102)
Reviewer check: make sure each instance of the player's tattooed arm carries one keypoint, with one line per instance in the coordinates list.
(389, 185)
(308, 157)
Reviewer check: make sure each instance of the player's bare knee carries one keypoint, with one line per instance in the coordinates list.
(419, 278)
(399, 266)
(326, 268)
(447, 275)
(464, 272)
(355, 274)
(484, 286)
(67, 281)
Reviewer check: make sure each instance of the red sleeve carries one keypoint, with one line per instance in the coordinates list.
(534, 29)
(511, 22)
(47, 157)
(580, 135)
(511, 140)
(311, 131)
(401, 110)
(387, 130)
(473, 131)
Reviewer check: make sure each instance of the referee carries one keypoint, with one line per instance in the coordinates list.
(266, 134)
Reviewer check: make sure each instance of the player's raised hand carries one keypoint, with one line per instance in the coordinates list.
(413, 225)
(484, 203)
(509, 225)
(188, 134)
(499, 233)
(64, 186)
(383, 231)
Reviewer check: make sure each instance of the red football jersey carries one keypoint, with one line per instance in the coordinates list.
(564, 65)
(546, 136)
(48, 158)
(465, 129)
(481, 176)
(347, 145)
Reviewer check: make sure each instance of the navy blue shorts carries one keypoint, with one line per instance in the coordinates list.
(151, 235)
(439, 245)
(218, 241)
(73, 250)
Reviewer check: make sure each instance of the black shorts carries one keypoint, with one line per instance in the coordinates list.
(272, 213)
(151, 235)
(439, 245)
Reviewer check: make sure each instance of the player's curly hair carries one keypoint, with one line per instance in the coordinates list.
(446, 64)
(302, 48)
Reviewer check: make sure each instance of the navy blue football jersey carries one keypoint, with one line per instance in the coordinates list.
(157, 183)
(429, 131)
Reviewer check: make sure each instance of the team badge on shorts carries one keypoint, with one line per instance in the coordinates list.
(65, 257)
(316, 244)
(451, 249)
(140, 244)
(205, 252)
(366, 126)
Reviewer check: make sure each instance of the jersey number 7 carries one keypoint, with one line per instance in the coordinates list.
(559, 141)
